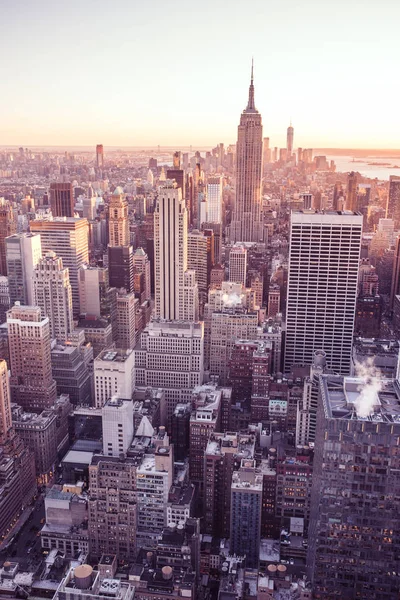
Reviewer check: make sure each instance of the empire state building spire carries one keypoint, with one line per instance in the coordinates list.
(247, 222)
(250, 105)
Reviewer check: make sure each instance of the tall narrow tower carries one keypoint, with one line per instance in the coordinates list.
(99, 156)
(23, 252)
(175, 287)
(351, 198)
(247, 224)
(8, 226)
(170, 236)
(118, 219)
(393, 201)
(289, 140)
(52, 292)
(5, 404)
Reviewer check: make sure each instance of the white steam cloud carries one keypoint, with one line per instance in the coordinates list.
(370, 387)
(231, 300)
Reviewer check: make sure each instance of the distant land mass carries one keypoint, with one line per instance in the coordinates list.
(354, 152)
(359, 152)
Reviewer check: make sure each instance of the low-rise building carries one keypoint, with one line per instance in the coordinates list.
(66, 527)
(39, 434)
(98, 332)
(180, 503)
(162, 582)
(83, 583)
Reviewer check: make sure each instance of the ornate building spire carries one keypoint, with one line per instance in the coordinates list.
(250, 104)
(247, 224)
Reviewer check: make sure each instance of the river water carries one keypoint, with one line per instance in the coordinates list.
(345, 164)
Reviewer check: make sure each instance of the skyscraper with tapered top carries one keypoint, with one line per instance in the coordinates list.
(247, 224)
(289, 140)
(118, 219)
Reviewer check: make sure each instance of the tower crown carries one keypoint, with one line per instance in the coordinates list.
(251, 107)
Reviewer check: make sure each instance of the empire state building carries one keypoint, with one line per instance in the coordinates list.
(246, 225)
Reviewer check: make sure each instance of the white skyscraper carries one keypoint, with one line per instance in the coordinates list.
(238, 264)
(322, 287)
(214, 199)
(117, 426)
(92, 281)
(118, 219)
(23, 252)
(190, 297)
(113, 375)
(170, 250)
(52, 292)
(170, 356)
(170, 241)
(89, 206)
(69, 239)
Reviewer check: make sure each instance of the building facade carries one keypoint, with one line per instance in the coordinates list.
(69, 239)
(32, 383)
(121, 268)
(238, 264)
(8, 226)
(175, 288)
(113, 375)
(353, 536)
(322, 287)
(170, 355)
(127, 308)
(246, 503)
(246, 224)
(214, 199)
(23, 253)
(52, 293)
(112, 507)
(62, 199)
(393, 203)
(118, 223)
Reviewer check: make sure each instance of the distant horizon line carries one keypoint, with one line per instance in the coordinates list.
(177, 147)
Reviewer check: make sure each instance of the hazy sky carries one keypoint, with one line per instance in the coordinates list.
(172, 72)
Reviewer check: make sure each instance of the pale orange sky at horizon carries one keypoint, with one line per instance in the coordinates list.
(88, 73)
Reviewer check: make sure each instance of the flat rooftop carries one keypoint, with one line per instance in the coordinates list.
(92, 323)
(231, 443)
(114, 355)
(373, 399)
(78, 457)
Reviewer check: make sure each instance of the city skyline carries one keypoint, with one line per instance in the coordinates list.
(105, 93)
(199, 300)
